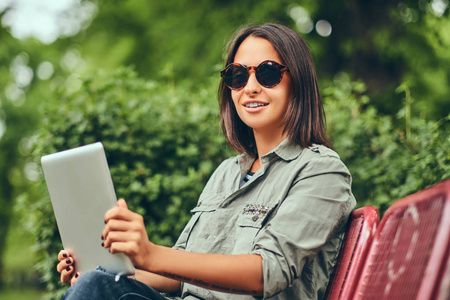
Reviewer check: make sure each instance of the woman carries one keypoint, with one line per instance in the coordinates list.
(270, 221)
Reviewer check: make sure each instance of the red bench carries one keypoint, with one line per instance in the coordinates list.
(408, 256)
(362, 225)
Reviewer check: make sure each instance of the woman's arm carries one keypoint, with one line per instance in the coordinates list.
(158, 282)
(238, 274)
(125, 232)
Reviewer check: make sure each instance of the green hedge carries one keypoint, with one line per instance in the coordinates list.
(389, 157)
(163, 142)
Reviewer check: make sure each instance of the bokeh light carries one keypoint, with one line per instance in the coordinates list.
(45, 70)
(46, 20)
(438, 7)
(300, 15)
(323, 28)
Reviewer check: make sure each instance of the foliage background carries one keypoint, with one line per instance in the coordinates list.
(141, 76)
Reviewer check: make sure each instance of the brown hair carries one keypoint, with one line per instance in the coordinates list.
(304, 119)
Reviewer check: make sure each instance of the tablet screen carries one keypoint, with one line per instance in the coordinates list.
(81, 191)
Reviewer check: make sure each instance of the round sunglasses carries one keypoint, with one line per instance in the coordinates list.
(268, 73)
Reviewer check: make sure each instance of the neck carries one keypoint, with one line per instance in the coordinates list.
(264, 144)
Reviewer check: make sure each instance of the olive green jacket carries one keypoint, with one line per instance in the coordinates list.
(292, 212)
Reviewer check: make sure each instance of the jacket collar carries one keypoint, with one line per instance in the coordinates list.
(286, 150)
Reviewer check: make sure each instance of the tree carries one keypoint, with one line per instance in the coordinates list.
(16, 121)
(388, 43)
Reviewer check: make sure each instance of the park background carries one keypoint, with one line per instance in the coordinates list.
(142, 75)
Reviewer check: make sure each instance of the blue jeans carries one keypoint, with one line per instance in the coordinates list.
(102, 286)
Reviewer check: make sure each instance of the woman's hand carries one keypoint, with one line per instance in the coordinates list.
(125, 232)
(66, 267)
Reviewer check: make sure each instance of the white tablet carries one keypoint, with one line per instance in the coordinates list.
(81, 191)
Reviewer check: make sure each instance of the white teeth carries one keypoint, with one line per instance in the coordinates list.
(255, 104)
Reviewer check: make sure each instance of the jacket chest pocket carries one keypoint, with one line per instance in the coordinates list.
(201, 232)
(247, 228)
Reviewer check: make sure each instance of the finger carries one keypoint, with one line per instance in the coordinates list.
(75, 278)
(121, 237)
(118, 225)
(66, 274)
(136, 225)
(115, 225)
(122, 203)
(63, 254)
(120, 231)
(64, 264)
(128, 248)
(119, 213)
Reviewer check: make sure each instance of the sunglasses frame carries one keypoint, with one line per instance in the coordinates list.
(282, 69)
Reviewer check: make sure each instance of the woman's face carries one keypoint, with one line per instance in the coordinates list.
(267, 117)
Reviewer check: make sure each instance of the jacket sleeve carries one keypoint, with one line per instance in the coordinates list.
(315, 209)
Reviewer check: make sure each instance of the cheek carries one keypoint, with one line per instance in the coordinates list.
(234, 96)
(289, 88)
(288, 92)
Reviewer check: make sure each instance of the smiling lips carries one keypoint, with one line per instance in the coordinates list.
(255, 104)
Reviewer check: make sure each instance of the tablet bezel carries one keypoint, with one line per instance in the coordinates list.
(81, 191)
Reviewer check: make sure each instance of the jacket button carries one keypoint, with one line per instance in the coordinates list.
(255, 218)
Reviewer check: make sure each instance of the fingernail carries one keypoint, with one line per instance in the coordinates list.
(76, 275)
(102, 238)
(68, 261)
(103, 244)
(64, 254)
(105, 221)
(68, 269)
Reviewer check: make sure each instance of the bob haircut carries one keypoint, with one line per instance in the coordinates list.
(304, 119)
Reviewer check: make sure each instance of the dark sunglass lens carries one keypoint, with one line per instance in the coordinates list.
(269, 74)
(236, 77)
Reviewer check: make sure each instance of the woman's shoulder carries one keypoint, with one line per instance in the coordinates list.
(226, 169)
(319, 158)
(316, 151)
(229, 162)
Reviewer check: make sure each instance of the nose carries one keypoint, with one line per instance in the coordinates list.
(252, 86)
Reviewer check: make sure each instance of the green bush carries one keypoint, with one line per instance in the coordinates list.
(387, 161)
(163, 142)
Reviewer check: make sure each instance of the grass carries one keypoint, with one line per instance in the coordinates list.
(18, 253)
(20, 294)
(18, 262)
